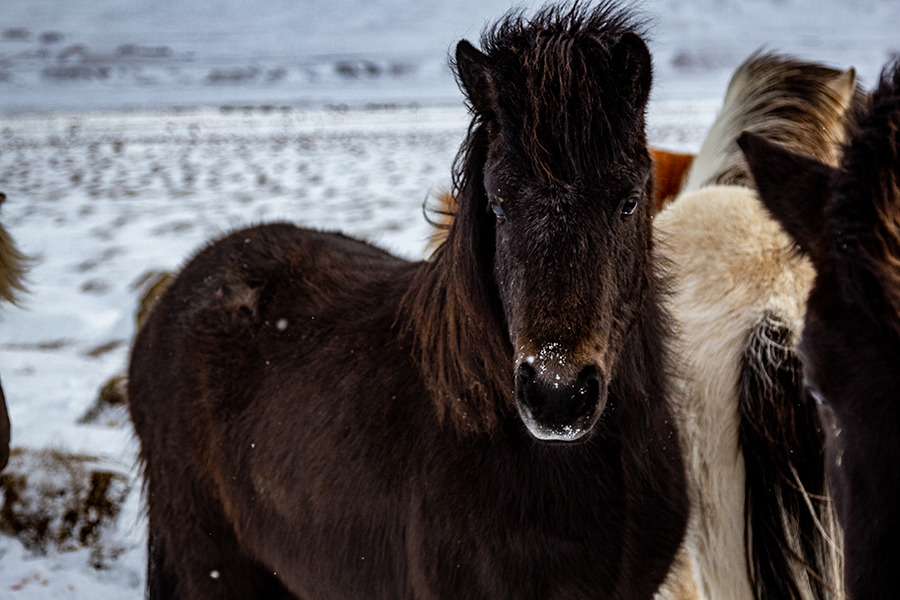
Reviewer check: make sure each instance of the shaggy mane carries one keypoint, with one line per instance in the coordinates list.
(799, 104)
(865, 210)
(555, 56)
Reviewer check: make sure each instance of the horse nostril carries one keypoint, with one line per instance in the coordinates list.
(588, 386)
(525, 381)
(552, 407)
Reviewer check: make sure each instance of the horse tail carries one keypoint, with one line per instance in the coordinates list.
(803, 105)
(789, 527)
(13, 265)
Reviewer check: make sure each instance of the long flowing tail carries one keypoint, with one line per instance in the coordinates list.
(791, 535)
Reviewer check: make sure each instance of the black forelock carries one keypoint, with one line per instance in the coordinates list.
(556, 88)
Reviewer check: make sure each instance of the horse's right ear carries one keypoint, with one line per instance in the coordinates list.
(793, 187)
(475, 77)
(632, 65)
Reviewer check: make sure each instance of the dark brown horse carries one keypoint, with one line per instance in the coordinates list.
(321, 419)
(846, 219)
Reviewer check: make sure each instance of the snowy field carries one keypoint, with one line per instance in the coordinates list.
(132, 133)
(96, 54)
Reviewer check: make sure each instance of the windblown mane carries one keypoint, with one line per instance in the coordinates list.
(548, 92)
(554, 56)
(799, 104)
(12, 266)
(451, 315)
(869, 232)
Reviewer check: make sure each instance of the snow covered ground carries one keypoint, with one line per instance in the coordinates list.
(131, 133)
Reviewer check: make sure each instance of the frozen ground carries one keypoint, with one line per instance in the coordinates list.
(131, 133)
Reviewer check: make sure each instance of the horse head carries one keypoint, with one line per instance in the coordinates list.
(556, 182)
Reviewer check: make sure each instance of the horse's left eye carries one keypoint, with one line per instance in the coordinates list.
(818, 397)
(630, 205)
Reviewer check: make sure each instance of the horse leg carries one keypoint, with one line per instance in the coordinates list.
(193, 552)
(4, 431)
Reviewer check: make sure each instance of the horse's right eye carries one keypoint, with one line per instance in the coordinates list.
(630, 205)
(498, 211)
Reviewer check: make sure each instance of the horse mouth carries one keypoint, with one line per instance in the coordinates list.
(567, 432)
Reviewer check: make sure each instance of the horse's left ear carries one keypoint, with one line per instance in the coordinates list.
(475, 77)
(632, 66)
(793, 187)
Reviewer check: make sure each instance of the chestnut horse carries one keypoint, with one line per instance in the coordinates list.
(845, 220)
(761, 524)
(321, 419)
(12, 272)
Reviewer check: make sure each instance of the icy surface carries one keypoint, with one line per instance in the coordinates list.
(133, 132)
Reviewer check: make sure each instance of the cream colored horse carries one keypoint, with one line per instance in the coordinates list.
(761, 527)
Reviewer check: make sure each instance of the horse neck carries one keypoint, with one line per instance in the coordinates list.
(451, 317)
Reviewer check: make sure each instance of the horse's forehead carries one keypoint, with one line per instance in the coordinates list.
(565, 143)
(510, 175)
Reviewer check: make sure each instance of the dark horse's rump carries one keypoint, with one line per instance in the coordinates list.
(259, 322)
(320, 419)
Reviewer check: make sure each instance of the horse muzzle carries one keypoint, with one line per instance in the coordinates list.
(559, 412)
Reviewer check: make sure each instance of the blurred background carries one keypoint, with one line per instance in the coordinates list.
(111, 54)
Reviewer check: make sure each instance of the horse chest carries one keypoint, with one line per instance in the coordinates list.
(512, 527)
(484, 523)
